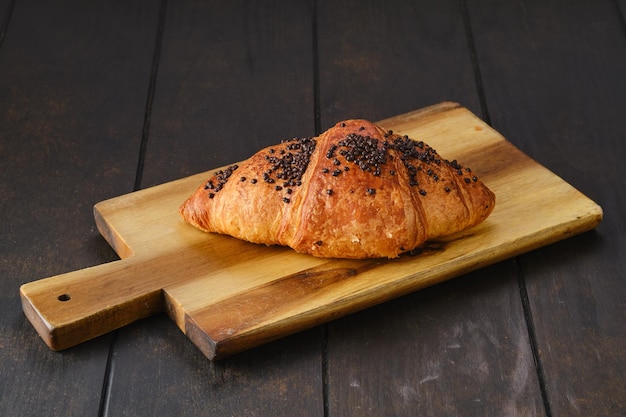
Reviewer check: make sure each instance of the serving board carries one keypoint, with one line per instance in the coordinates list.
(228, 295)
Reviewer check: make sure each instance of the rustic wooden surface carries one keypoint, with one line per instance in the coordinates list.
(97, 100)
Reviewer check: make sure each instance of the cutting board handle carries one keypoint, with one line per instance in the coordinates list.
(72, 308)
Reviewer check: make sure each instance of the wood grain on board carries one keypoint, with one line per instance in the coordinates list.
(228, 295)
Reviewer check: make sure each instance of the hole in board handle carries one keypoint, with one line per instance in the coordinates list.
(64, 297)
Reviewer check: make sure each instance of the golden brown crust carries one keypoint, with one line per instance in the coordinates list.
(355, 191)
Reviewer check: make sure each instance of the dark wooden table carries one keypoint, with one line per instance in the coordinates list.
(98, 99)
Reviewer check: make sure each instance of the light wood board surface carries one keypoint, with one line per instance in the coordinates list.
(228, 296)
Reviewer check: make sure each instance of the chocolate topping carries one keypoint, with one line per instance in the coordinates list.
(288, 162)
(216, 183)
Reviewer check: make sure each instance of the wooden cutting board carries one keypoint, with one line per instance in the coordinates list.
(227, 295)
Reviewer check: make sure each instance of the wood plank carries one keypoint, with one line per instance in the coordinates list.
(231, 87)
(379, 60)
(621, 5)
(554, 81)
(221, 60)
(72, 87)
(449, 349)
(440, 351)
(6, 7)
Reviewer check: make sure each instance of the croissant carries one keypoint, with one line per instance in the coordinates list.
(356, 191)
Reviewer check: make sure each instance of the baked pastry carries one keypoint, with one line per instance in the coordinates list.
(355, 191)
